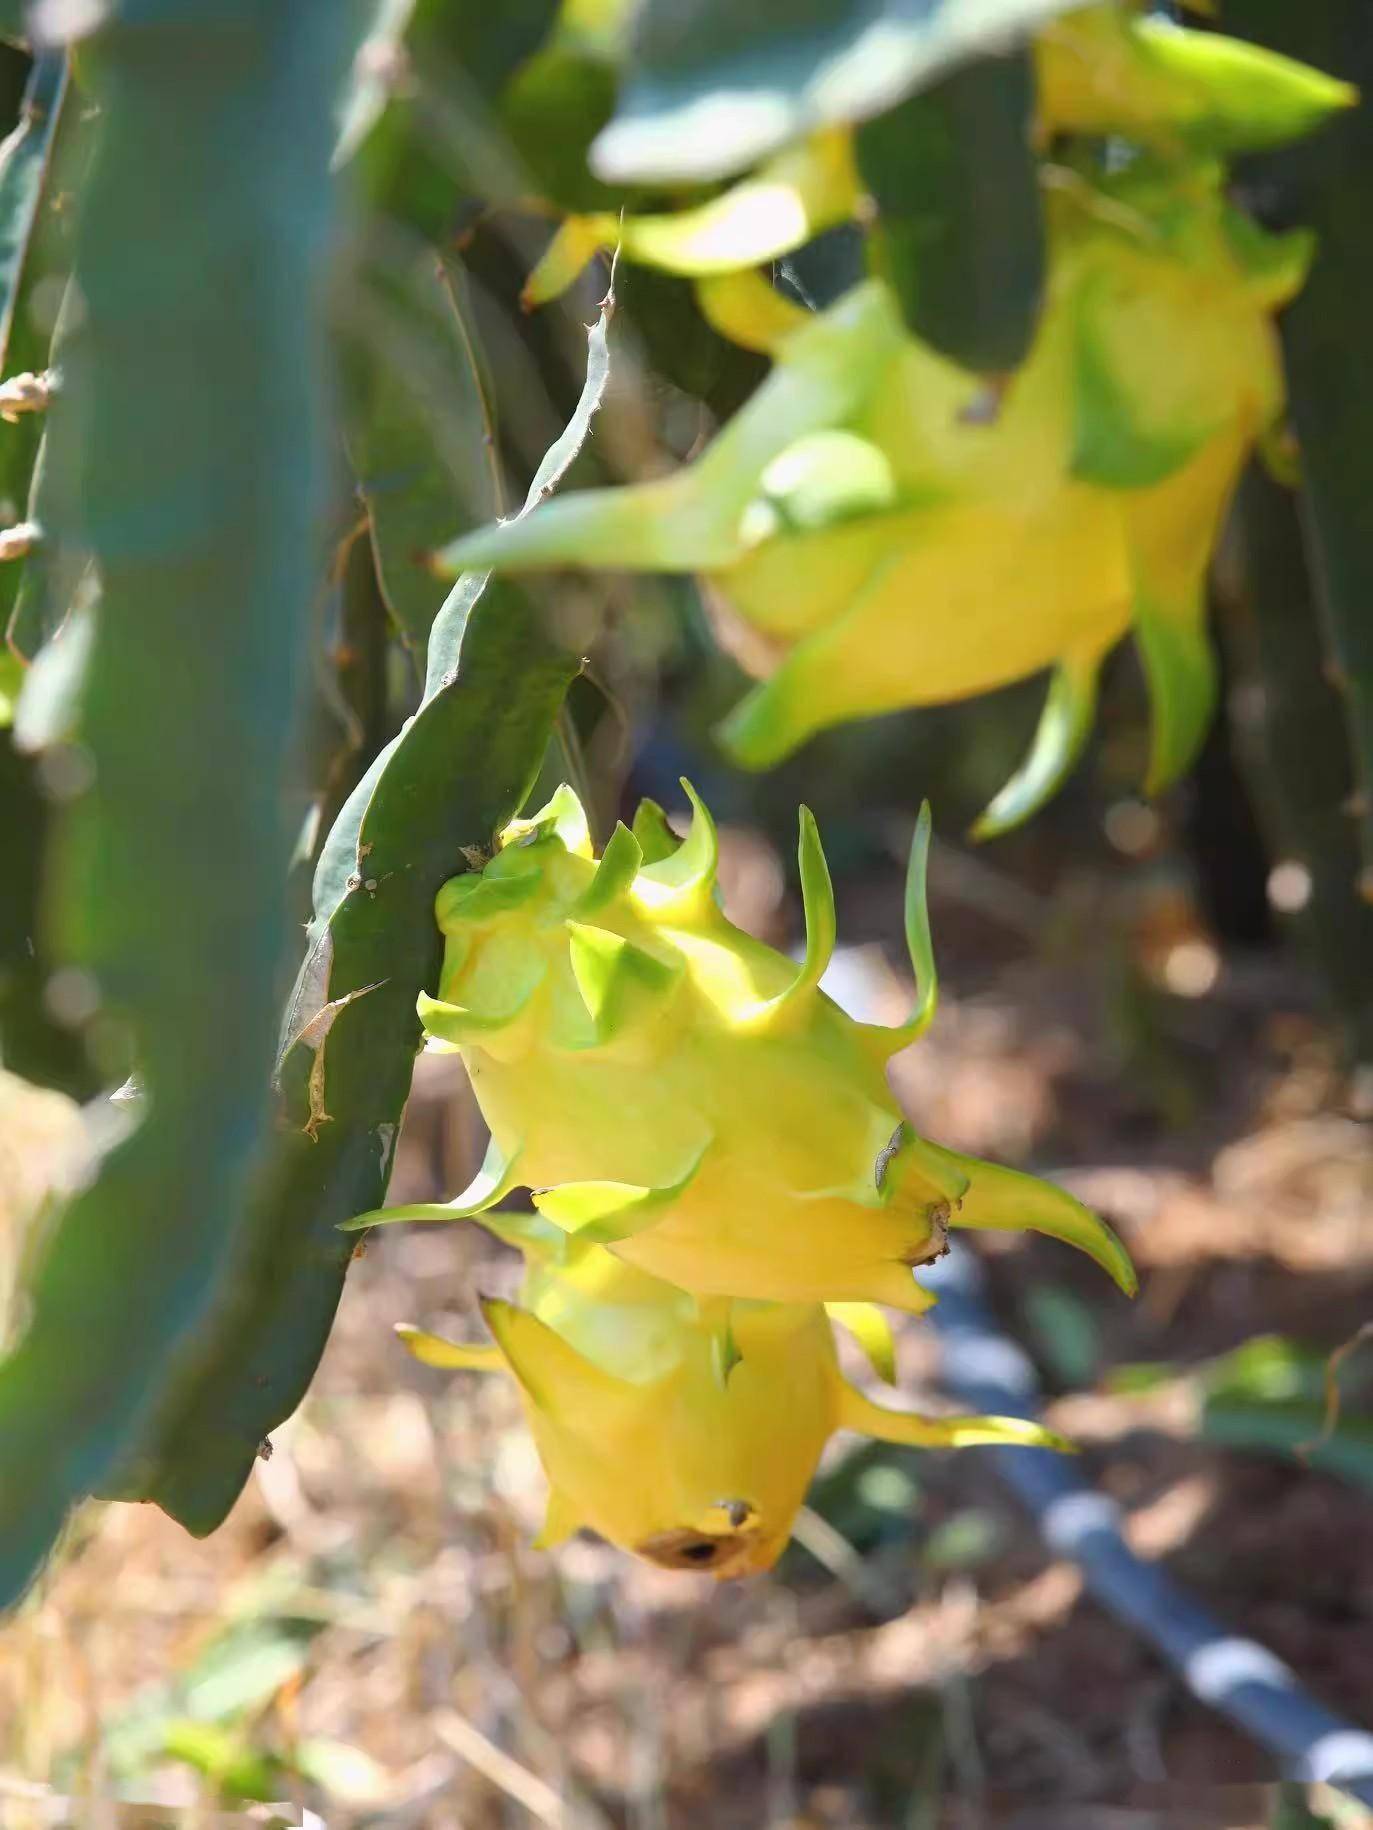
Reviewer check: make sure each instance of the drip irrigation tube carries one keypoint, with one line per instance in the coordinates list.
(1234, 1675)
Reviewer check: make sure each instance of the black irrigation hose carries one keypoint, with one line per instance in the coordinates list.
(1234, 1675)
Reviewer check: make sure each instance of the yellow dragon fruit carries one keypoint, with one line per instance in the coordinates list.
(642, 1438)
(1103, 70)
(686, 1095)
(899, 533)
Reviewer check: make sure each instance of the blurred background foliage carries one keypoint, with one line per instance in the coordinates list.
(282, 380)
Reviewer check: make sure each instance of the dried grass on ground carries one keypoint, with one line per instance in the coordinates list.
(373, 1630)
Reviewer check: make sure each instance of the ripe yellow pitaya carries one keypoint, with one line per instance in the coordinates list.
(1104, 70)
(686, 1095)
(647, 1440)
(899, 533)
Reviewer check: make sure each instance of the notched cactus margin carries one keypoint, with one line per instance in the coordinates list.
(686, 1096)
(496, 675)
(196, 492)
(30, 173)
(24, 158)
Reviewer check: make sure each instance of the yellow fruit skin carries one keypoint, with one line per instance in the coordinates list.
(781, 1119)
(658, 1468)
(1062, 566)
(680, 1092)
(649, 1440)
(1100, 481)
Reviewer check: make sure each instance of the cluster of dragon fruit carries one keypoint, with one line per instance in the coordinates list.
(717, 1172)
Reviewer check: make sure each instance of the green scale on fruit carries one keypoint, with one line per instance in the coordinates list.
(689, 1097)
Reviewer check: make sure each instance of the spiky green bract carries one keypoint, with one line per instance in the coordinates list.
(686, 1095)
(648, 1439)
(1110, 70)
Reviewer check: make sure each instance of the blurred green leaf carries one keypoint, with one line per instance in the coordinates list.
(820, 272)
(552, 110)
(713, 86)
(966, 1541)
(1270, 1393)
(959, 232)
(53, 155)
(232, 1760)
(1142, 1376)
(413, 418)
(870, 1496)
(1268, 1368)
(1273, 1395)
(1065, 1332)
(886, 1488)
(1293, 1428)
(193, 392)
(1265, 1367)
(1292, 1811)
(681, 346)
(240, 1669)
(438, 143)
(226, 1758)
